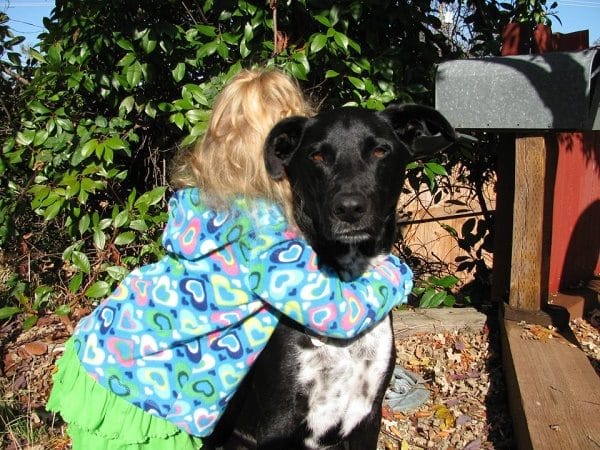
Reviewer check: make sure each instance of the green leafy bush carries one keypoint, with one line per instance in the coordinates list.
(115, 88)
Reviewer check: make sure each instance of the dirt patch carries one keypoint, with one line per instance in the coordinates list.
(467, 407)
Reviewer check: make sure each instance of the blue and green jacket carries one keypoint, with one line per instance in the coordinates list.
(177, 337)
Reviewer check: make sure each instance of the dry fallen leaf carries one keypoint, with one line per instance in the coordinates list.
(36, 348)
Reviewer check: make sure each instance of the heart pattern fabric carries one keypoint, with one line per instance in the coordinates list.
(177, 337)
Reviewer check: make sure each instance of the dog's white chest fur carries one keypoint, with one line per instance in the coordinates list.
(341, 381)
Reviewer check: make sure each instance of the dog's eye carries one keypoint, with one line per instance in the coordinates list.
(379, 152)
(317, 156)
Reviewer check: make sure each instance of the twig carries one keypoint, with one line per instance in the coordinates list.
(16, 76)
(273, 6)
(190, 13)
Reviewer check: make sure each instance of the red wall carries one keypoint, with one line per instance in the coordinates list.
(574, 254)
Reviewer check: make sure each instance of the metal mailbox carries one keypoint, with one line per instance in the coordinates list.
(551, 91)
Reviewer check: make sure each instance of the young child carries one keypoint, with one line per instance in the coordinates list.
(155, 364)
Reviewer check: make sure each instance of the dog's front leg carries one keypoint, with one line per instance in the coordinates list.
(366, 434)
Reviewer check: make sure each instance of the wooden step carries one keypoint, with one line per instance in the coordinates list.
(554, 392)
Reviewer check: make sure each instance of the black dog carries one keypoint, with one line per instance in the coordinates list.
(346, 168)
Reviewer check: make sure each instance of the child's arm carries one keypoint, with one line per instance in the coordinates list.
(287, 277)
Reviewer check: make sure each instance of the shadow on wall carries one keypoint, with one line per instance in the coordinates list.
(582, 260)
(591, 146)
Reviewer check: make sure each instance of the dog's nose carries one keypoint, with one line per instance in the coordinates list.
(350, 207)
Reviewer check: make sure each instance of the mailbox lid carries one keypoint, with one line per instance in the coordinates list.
(556, 91)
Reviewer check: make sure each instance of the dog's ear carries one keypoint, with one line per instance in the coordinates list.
(423, 129)
(281, 143)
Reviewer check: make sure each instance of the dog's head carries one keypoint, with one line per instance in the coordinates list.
(346, 168)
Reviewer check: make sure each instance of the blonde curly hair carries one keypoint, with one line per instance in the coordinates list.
(228, 160)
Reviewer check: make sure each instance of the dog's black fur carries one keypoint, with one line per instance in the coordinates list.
(346, 168)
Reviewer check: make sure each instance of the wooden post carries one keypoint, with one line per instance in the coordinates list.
(534, 175)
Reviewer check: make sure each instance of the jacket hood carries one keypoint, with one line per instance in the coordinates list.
(195, 229)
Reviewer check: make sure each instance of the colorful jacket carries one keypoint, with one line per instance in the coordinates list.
(176, 337)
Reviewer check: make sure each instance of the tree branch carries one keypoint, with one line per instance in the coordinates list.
(273, 5)
(16, 76)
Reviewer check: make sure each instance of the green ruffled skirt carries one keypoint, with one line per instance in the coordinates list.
(100, 420)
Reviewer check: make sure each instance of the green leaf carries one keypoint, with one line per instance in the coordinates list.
(29, 322)
(355, 45)
(445, 282)
(323, 20)
(207, 49)
(98, 289)
(126, 60)
(127, 104)
(196, 92)
(9, 311)
(125, 238)
(178, 119)
(99, 239)
(150, 198)
(26, 137)
(341, 39)
(65, 124)
(150, 110)
(223, 50)
(437, 299)
(183, 103)
(134, 74)
(62, 310)
(244, 50)
(301, 58)
(178, 72)
(52, 211)
(449, 301)
(436, 168)
(197, 115)
(425, 301)
(36, 55)
(357, 82)
(41, 295)
(298, 70)
(331, 74)
(148, 44)
(75, 282)
(206, 30)
(125, 44)
(115, 143)
(319, 41)
(81, 261)
(88, 148)
(117, 272)
(104, 223)
(101, 122)
(121, 219)
(54, 55)
(38, 108)
(138, 225)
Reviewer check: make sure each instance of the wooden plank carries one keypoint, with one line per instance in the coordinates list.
(531, 221)
(554, 392)
(410, 322)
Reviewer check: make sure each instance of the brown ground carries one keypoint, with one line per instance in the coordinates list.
(466, 410)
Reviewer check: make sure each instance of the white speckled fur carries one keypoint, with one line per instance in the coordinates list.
(342, 378)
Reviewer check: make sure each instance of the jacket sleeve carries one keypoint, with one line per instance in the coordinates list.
(286, 275)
